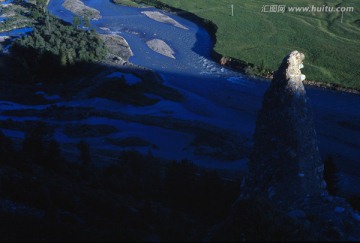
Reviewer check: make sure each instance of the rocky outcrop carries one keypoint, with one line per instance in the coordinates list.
(284, 195)
(119, 51)
(285, 165)
(79, 8)
(161, 47)
(160, 17)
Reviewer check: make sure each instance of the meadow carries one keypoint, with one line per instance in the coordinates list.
(330, 40)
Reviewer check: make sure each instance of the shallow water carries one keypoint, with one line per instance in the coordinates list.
(17, 32)
(7, 2)
(192, 47)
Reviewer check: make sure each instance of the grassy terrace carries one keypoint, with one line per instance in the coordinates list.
(332, 48)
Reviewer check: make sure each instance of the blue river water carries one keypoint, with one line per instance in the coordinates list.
(17, 32)
(336, 114)
(192, 47)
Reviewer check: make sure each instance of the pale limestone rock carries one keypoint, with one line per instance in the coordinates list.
(79, 8)
(161, 47)
(160, 17)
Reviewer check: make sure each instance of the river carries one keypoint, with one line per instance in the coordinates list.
(232, 98)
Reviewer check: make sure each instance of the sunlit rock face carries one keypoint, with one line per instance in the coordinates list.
(285, 165)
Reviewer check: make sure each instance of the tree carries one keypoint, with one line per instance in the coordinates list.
(86, 21)
(70, 56)
(41, 4)
(48, 24)
(76, 21)
(63, 59)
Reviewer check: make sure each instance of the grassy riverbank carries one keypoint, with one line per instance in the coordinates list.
(126, 2)
(263, 38)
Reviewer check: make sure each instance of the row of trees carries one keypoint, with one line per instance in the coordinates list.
(53, 49)
(70, 44)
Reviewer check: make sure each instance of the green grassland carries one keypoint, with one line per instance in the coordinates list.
(332, 48)
(126, 2)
